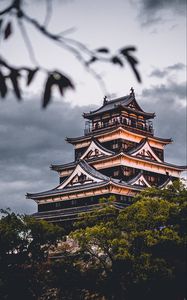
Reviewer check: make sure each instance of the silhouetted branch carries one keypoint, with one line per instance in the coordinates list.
(7, 10)
(82, 53)
(14, 76)
(49, 10)
(27, 42)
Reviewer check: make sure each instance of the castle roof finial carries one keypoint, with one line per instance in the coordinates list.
(132, 93)
(105, 100)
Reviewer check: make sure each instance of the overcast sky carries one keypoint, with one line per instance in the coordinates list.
(31, 139)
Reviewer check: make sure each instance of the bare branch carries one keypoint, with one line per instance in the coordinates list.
(4, 63)
(67, 31)
(40, 27)
(49, 10)
(85, 56)
(27, 42)
(7, 10)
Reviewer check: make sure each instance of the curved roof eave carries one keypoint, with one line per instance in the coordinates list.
(97, 134)
(115, 103)
(58, 192)
(180, 168)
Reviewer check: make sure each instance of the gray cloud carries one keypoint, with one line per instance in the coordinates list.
(176, 67)
(169, 103)
(164, 72)
(170, 93)
(152, 5)
(151, 10)
(30, 140)
(159, 73)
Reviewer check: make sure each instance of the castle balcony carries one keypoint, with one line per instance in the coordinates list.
(130, 124)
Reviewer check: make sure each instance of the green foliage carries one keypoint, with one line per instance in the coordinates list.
(134, 253)
(25, 237)
(102, 214)
(24, 245)
(139, 250)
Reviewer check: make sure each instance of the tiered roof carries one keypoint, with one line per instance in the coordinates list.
(143, 152)
(95, 179)
(83, 178)
(126, 103)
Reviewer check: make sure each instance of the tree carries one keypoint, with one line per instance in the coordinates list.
(139, 252)
(11, 76)
(24, 248)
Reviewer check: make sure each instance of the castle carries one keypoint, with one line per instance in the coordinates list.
(118, 155)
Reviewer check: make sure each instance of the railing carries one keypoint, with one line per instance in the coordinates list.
(146, 127)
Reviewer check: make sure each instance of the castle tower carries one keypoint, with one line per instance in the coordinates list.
(117, 155)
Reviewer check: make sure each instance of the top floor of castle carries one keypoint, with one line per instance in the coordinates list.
(124, 111)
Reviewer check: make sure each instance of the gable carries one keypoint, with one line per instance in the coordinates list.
(134, 105)
(166, 184)
(95, 150)
(141, 181)
(78, 177)
(146, 152)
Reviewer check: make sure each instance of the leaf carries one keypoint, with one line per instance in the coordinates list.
(8, 31)
(103, 50)
(14, 75)
(126, 49)
(1, 22)
(31, 74)
(3, 87)
(117, 60)
(58, 79)
(138, 77)
(64, 83)
(47, 91)
(131, 60)
(93, 59)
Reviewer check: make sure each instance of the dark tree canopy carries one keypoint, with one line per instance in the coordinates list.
(134, 253)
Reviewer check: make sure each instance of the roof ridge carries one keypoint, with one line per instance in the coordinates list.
(141, 143)
(135, 177)
(92, 171)
(165, 182)
(108, 103)
(118, 99)
(101, 146)
(53, 166)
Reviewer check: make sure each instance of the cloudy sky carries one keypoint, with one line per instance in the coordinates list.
(31, 138)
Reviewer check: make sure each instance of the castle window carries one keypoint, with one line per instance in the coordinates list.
(115, 145)
(96, 152)
(82, 178)
(127, 171)
(151, 178)
(73, 202)
(116, 173)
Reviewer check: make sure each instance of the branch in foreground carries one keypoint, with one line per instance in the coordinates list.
(82, 53)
